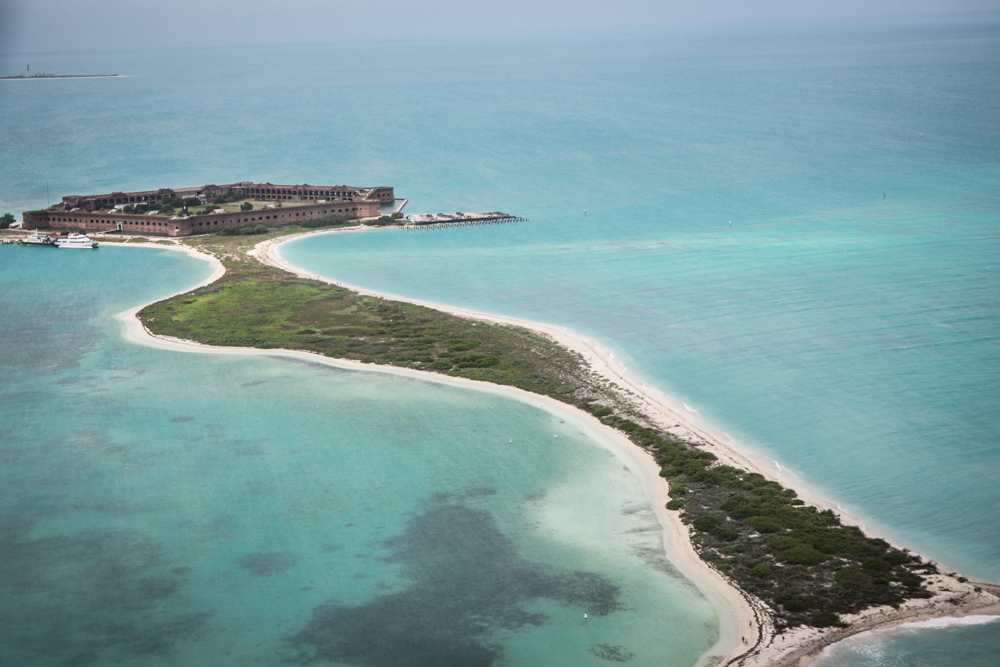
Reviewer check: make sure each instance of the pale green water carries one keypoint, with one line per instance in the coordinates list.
(164, 507)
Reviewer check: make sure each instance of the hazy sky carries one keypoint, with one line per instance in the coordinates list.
(69, 25)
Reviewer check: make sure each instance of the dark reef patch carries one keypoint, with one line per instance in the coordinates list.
(69, 597)
(465, 494)
(181, 420)
(655, 558)
(611, 653)
(266, 565)
(468, 582)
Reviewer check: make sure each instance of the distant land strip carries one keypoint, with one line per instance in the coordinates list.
(57, 76)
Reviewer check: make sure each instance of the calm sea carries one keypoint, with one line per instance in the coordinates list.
(798, 233)
(168, 508)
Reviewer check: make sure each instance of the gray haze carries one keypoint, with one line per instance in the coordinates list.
(32, 26)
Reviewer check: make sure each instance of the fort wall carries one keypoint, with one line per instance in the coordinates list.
(93, 212)
(160, 225)
(302, 192)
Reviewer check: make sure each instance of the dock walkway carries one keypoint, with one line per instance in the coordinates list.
(440, 220)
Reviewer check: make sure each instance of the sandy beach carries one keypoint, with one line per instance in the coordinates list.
(739, 613)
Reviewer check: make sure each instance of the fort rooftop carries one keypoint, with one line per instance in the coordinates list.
(274, 205)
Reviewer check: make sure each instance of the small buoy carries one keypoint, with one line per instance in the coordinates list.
(585, 616)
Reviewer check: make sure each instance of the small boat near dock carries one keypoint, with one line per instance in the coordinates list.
(37, 239)
(76, 241)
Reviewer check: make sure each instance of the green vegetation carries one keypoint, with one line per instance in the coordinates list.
(259, 306)
(246, 206)
(803, 562)
(806, 565)
(6, 220)
(385, 220)
(328, 221)
(244, 230)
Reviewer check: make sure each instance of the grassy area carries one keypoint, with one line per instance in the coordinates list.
(234, 206)
(259, 306)
(807, 565)
(804, 563)
(234, 247)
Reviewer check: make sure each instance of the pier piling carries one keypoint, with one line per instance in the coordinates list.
(462, 222)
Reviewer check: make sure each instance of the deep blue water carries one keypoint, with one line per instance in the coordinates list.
(845, 324)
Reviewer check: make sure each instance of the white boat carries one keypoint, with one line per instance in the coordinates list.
(75, 241)
(37, 239)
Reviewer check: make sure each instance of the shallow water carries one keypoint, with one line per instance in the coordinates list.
(970, 641)
(164, 507)
(845, 325)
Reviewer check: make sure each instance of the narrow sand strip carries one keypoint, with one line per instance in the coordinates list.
(668, 413)
(749, 615)
(737, 615)
(740, 614)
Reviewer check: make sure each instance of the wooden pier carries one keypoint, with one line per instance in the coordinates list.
(441, 220)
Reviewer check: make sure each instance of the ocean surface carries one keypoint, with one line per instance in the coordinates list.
(796, 232)
(169, 508)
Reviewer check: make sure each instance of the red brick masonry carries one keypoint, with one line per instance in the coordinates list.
(79, 212)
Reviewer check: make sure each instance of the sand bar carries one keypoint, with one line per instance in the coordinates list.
(739, 613)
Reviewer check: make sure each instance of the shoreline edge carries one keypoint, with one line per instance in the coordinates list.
(796, 647)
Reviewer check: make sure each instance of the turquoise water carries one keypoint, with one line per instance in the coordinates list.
(846, 323)
(820, 344)
(164, 507)
(968, 641)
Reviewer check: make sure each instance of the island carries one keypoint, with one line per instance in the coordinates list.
(802, 576)
(28, 75)
(170, 211)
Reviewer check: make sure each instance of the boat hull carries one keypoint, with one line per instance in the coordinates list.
(76, 241)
